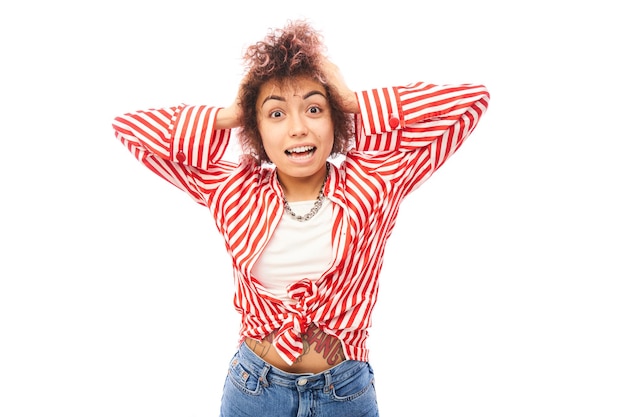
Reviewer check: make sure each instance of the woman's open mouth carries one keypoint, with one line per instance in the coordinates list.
(300, 152)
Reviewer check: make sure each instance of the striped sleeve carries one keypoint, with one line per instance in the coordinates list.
(178, 144)
(183, 134)
(190, 144)
(417, 115)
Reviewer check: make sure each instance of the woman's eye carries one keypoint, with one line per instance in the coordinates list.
(314, 109)
(275, 114)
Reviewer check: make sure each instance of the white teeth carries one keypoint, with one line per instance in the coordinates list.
(300, 149)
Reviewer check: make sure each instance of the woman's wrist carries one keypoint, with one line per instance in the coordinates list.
(227, 118)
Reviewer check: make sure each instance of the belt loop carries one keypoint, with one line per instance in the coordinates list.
(328, 381)
(263, 376)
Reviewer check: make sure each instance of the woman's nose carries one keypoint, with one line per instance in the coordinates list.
(297, 126)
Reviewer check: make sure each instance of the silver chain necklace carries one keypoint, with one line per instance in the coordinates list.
(316, 206)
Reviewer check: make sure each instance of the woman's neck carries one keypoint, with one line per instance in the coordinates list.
(303, 188)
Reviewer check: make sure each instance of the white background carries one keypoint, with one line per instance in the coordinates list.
(502, 292)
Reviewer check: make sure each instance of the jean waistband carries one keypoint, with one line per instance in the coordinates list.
(322, 380)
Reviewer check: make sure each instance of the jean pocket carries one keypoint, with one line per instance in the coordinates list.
(242, 378)
(356, 385)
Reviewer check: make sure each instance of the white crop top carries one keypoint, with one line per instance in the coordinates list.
(296, 250)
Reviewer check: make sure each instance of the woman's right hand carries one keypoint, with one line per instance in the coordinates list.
(230, 117)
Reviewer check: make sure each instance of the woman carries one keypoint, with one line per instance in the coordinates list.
(306, 236)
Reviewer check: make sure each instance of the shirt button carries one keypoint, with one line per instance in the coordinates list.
(180, 157)
(394, 122)
(302, 381)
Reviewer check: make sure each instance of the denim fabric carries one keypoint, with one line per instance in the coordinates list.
(253, 388)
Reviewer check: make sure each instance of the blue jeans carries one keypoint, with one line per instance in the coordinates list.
(253, 388)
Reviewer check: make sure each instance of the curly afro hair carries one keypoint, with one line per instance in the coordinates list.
(293, 51)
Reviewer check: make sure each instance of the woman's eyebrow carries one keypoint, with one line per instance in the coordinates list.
(312, 93)
(273, 97)
(304, 97)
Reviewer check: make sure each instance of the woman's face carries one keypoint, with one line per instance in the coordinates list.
(294, 120)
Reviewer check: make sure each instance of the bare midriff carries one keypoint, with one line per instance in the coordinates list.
(321, 352)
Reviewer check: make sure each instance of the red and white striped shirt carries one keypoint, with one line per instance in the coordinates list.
(403, 134)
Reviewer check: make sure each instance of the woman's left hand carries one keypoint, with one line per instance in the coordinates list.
(334, 78)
